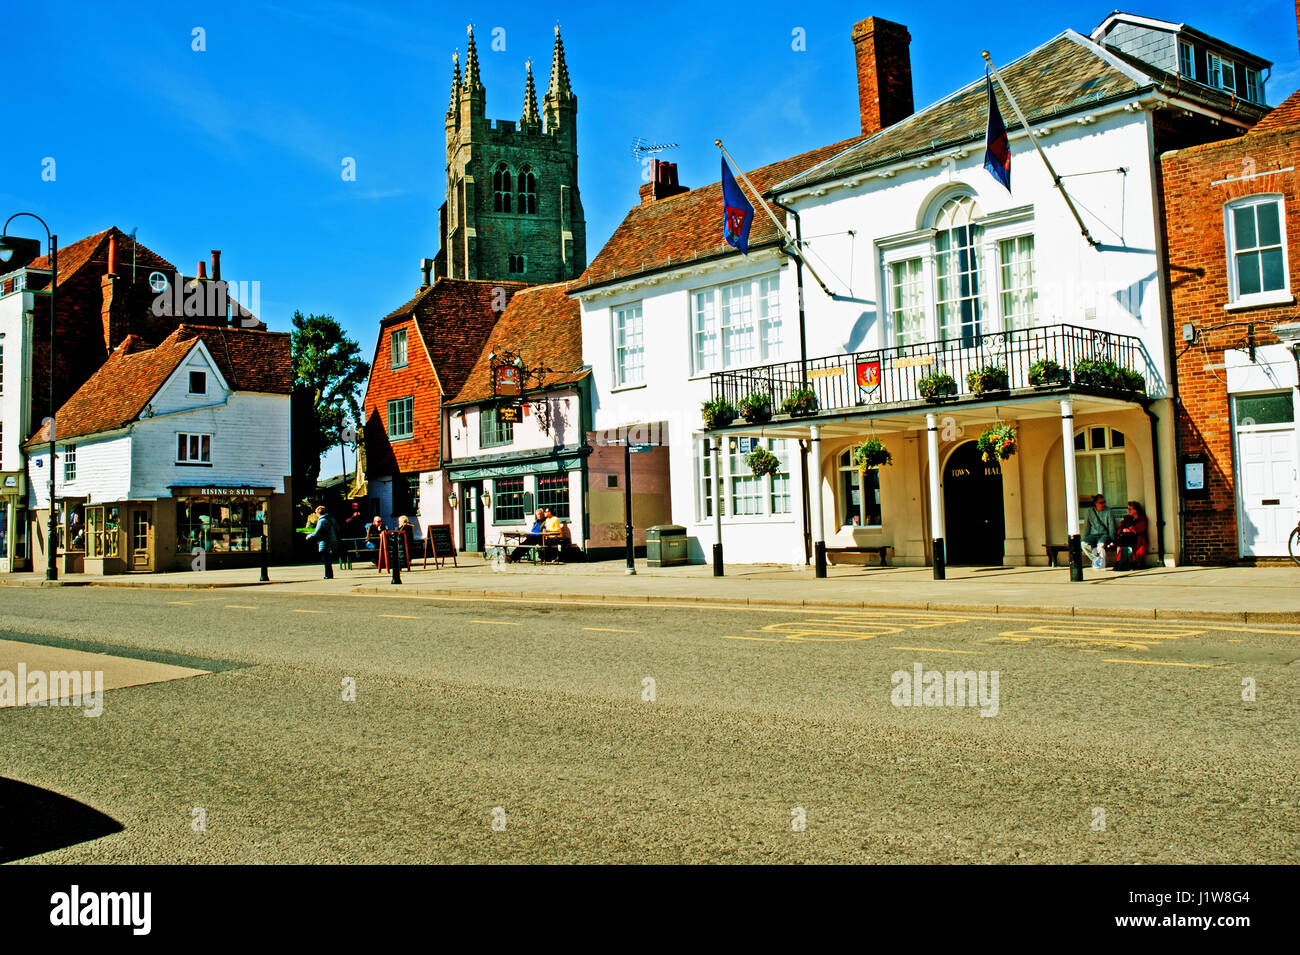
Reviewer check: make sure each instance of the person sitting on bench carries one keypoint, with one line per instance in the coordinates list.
(373, 530)
(534, 538)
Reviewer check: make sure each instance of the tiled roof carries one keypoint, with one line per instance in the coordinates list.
(454, 317)
(1067, 74)
(118, 392)
(686, 227)
(1284, 116)
(74, 257)
(544, 326)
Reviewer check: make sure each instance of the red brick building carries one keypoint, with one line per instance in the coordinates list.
(422, 358)
(1232, 235)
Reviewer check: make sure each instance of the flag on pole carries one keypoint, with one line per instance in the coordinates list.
(737, 213)
(997, 148)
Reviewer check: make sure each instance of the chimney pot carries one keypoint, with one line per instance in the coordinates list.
(663, 183)
(112, 255)
(202, 272)
(884, 73)
(426, 267)
(216, 265)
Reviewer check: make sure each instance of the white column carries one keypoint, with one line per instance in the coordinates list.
(939, 558)
(815, 501)
(1071, 490)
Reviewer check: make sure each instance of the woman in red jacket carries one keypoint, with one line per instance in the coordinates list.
(1132, 538)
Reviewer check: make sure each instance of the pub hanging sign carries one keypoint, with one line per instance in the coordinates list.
(507, 381)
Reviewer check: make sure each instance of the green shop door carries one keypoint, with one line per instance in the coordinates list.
(471, 517)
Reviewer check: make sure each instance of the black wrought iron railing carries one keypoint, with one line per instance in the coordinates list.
(893, 375)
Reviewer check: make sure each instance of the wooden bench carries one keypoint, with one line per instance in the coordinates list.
(1054, 551)
(881, 551)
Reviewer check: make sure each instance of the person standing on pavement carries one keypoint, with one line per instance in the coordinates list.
(326, 536)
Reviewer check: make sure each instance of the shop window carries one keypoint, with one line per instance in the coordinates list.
(219, 524)
(553, 493)
(1101, 468)
(102, 524)
(4, 530)
(850, 494)
(70, 521)
(21, 519)
(508, 500)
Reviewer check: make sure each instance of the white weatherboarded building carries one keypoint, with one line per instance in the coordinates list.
(172, 457)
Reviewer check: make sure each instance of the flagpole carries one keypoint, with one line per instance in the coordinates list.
(1041, 155)
(794, 247)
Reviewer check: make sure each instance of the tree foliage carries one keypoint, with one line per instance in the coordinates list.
(329, 375)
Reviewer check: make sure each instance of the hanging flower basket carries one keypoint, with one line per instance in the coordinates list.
(757, 408)
(762, 461)
(871, 454)
(801, 401)
(997, 443)
(936, 387)
(718, 413)
(989, 378)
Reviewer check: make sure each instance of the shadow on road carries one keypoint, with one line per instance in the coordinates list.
(35, 820)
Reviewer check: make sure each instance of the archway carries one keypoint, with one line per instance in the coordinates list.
(972, 508)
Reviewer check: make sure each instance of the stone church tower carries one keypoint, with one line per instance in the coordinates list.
(513, 212)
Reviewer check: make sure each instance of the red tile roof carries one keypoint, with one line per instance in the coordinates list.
(544, 326)
(118, 392)
(74, 257)
(1285, 115)
(686, 227)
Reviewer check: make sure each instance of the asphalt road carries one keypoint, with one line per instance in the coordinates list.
(599, 733)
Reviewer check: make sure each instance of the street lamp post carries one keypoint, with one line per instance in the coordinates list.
(20, 252)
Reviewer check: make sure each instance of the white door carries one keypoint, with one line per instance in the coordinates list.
(1266, 474)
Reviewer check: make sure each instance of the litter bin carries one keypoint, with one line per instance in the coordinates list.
(665, 545)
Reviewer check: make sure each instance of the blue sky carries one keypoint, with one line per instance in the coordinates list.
(240, 147)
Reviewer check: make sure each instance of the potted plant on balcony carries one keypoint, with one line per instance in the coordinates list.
(937, 386)
(763, 462)
(757, 408)
(987, 379)
(801, 401)
(1131, 380)
(1047, 373)
(998, 442)
(871, 454)
(1104, 373)
(718, 413)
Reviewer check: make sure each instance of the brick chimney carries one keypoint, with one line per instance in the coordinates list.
(114, 311)
(663, 183)
(884, 73)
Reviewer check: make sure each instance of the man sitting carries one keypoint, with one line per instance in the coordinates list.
(534, 537)
(1100, 530)
(373, 530)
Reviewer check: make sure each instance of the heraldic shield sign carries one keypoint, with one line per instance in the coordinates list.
(868, 377)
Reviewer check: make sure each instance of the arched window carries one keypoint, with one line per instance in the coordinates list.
(1100, 467)
(850, 498)
(516, 263)
(527, 190)
(501, 187)
(956, 269)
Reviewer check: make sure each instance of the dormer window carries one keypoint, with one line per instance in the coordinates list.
(1223, 73)
(1186, 65)
(198, 382)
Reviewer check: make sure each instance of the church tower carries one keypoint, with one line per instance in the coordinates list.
(513, 212)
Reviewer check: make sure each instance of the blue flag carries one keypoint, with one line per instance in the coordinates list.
(997, 148)
(737, 213)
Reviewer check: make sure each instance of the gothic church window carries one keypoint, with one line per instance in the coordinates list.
(527, 190)
(501, 188)
(516, 263)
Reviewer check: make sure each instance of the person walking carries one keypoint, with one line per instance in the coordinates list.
(326, 536)
(1100, 530)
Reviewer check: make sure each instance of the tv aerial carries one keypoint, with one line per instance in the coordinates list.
(642, 147)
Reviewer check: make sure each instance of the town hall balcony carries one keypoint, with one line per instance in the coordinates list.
(1012, 365)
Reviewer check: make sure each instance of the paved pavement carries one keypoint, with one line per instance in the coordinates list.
(357, 728)
(1243, 594)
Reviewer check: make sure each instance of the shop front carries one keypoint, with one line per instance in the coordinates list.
(214, 526)
(14, 555)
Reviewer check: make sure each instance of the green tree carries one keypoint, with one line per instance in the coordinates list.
(328, 377)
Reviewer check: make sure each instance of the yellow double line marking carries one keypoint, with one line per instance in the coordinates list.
(1163, 663)
(499, 623)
